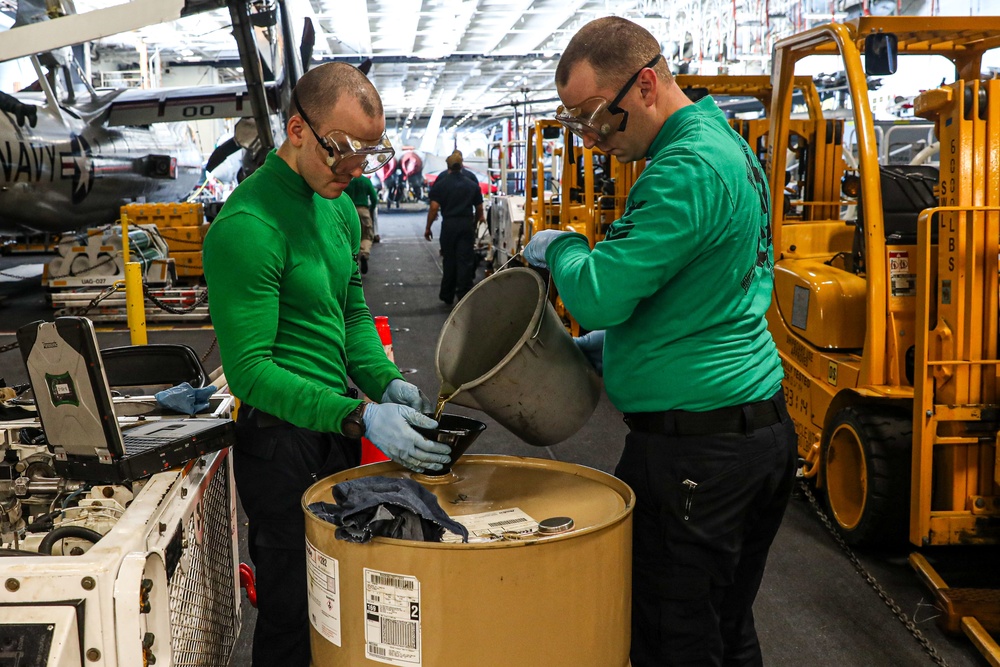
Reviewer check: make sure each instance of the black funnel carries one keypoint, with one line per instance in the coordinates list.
(456, 431)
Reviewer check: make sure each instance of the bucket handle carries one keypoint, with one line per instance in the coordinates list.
(512, 258)
(548, 283)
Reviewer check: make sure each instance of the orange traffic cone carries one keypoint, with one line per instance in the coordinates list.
(369, 452)
(385, 335)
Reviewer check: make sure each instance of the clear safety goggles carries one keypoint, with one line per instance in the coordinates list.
(595, 118)
(591, 119)
(344, 153)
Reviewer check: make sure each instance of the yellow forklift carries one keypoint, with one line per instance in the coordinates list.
(758, 87)
(886, 320)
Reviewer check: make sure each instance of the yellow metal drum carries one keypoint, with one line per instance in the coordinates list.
(559, 597)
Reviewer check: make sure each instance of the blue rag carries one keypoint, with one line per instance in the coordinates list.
(370, 507)
(185, 398)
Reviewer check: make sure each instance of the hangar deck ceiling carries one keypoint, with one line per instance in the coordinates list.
(469, 60)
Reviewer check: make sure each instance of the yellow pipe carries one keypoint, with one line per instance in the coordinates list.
(135, 303)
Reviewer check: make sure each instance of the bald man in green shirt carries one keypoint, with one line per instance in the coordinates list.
(293, 328)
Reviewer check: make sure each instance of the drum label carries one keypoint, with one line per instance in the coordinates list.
(509, 523)
(392, 618)
(324, 593)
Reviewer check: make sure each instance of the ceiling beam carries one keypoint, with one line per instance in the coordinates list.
(349, 24)
(79, 28)
(540, 30)
(514, 15)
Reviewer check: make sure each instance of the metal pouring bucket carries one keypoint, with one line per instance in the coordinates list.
(508, 354)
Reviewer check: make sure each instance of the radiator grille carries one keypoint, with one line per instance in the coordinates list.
(203, 604)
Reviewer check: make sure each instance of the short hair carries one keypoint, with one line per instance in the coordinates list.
(615, 47)
(321, 88)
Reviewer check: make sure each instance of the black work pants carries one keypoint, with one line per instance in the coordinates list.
(273, 466)
(458, 237)
(698, 552)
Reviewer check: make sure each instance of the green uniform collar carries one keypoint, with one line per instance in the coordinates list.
(276, 167)
(678, 119)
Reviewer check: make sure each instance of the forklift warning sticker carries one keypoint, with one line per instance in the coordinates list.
(324, 593)
(392, 618)
(903, 282)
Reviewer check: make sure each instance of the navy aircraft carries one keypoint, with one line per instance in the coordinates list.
(70, 159)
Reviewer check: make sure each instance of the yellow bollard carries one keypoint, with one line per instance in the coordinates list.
(135, 302)
(135, 306)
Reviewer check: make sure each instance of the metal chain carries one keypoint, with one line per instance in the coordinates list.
(870, 579)
(79, 312)
(215, 341)
(108, 291)
(177, 239)
(202, 298)
(109, 258)
(15, 276)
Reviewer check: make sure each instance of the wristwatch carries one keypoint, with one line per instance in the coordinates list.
(353, 425)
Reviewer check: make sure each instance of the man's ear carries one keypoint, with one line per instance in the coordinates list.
(648, 83)
(295, 128)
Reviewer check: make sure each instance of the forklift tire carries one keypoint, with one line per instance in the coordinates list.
(866, 472)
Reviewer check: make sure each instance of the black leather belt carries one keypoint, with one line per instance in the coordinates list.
(736, 419)
(259, 418)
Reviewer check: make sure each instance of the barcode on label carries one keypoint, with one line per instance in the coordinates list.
(375, 649)
(506, 522)
(391, 580)
(399, 633)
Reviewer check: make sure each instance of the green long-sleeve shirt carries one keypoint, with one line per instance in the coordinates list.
(287, 303)
(683, 280)
(362, 192)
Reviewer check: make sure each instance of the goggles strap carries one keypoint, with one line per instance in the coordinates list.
(613, 106)
(322, 142)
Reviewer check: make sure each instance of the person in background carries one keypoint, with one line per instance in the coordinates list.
(362, 192)
(676, 296)
(293, 328)
(460, 203)
(397, 187)
(457, 155)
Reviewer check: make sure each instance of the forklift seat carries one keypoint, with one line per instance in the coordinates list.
(159, 366)
(906, 191)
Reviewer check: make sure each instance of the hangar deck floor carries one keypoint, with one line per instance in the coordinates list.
(813, 608)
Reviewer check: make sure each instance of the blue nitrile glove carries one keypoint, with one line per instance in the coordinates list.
(592, 346)
(387, 425)
(534, 252)
(402, 392)
(185, 398)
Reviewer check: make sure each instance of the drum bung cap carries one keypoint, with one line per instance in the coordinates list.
(554, 525)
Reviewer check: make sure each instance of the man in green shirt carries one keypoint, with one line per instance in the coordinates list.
(362, 192)
(681, 285)
(290, 315)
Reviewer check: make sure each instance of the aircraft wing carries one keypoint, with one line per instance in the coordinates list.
(135, 106)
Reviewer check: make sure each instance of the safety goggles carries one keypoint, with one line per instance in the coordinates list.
(344, 154)
(594, 118)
